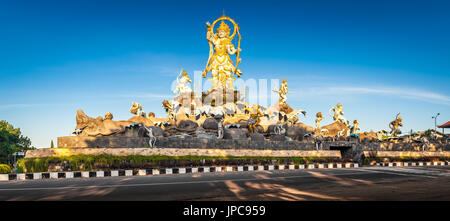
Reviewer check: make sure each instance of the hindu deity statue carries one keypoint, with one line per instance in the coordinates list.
(254, 119)
(182, 86)
(395, 124)
(283, 91)
(319, 117)
(354, 129)
(221, 47)
(338, 112)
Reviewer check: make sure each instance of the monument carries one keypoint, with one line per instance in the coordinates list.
(218, 123)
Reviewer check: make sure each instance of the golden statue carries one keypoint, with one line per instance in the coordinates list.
(338, 112)
(283, 91)
(395, 124)
(220, 49)
(319, 117)
(136, 108)
(354, 129)
(254, 119)
(182, 83)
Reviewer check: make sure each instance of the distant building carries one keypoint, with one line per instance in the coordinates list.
(443, 126)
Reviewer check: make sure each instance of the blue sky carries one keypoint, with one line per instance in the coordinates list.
(377, 58)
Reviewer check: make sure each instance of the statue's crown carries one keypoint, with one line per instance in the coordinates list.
(223, 26)
(185, 74)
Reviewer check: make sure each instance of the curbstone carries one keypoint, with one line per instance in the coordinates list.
(281, 167)
(128, 173)
(218, 169)
(4, 177)
(251, 168)
(240, 168)
(206, 170)
(85, 174)
(355, 165)
(37, 176)
(339, 165)
(260, 167)
(169, 171)
(182, 170)
(229, 169)
(428, 163)
(436, 163)
(142, 172)
(310, 166)
(330, 165)
(53, 175)
(405, 164)
(291, 166)
(20, 176)
(114, 173)
(100, 174)
(390, 164)
(321, 166)
(69, 175)
(155, 172)
(348, 165)
(271, 167)
(194, 170)
(301, 166)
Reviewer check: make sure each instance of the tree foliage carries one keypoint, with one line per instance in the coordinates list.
(11, 141)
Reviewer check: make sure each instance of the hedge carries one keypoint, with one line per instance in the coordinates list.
(4, 169)
(108, 162)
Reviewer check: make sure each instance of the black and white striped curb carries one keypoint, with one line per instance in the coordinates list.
(187, 170)
(411, 164)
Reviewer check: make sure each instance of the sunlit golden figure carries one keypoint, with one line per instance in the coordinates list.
(254, 119)
(395, 124)
(219, 61)
(338, 112)
(283, 91)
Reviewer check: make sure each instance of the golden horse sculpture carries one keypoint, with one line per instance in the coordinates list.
(220, 49)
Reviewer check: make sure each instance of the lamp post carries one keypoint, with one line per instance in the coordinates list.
(435, 117)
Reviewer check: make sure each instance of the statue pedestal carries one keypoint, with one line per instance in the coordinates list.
(219, 97)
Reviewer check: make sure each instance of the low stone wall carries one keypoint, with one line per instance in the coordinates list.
(58, 152)
(166, 142)
(412, 154)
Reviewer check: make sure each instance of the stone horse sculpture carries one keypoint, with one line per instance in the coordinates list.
(97, 127)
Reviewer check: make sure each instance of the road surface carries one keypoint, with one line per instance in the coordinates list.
(365, 183)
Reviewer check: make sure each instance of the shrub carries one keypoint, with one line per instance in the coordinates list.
(5, 168)
(102, 162)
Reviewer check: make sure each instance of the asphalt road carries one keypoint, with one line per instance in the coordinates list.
(366, 183)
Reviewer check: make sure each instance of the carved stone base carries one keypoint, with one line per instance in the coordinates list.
(217, 97)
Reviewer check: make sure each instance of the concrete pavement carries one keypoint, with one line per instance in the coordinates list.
(366, 183)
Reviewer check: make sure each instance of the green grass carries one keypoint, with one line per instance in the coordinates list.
(108, 162)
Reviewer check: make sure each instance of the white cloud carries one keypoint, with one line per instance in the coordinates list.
(408, 93)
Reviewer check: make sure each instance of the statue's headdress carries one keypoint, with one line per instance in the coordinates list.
(185, 74)
(284, 81)
(339, 105)
(223, 26)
